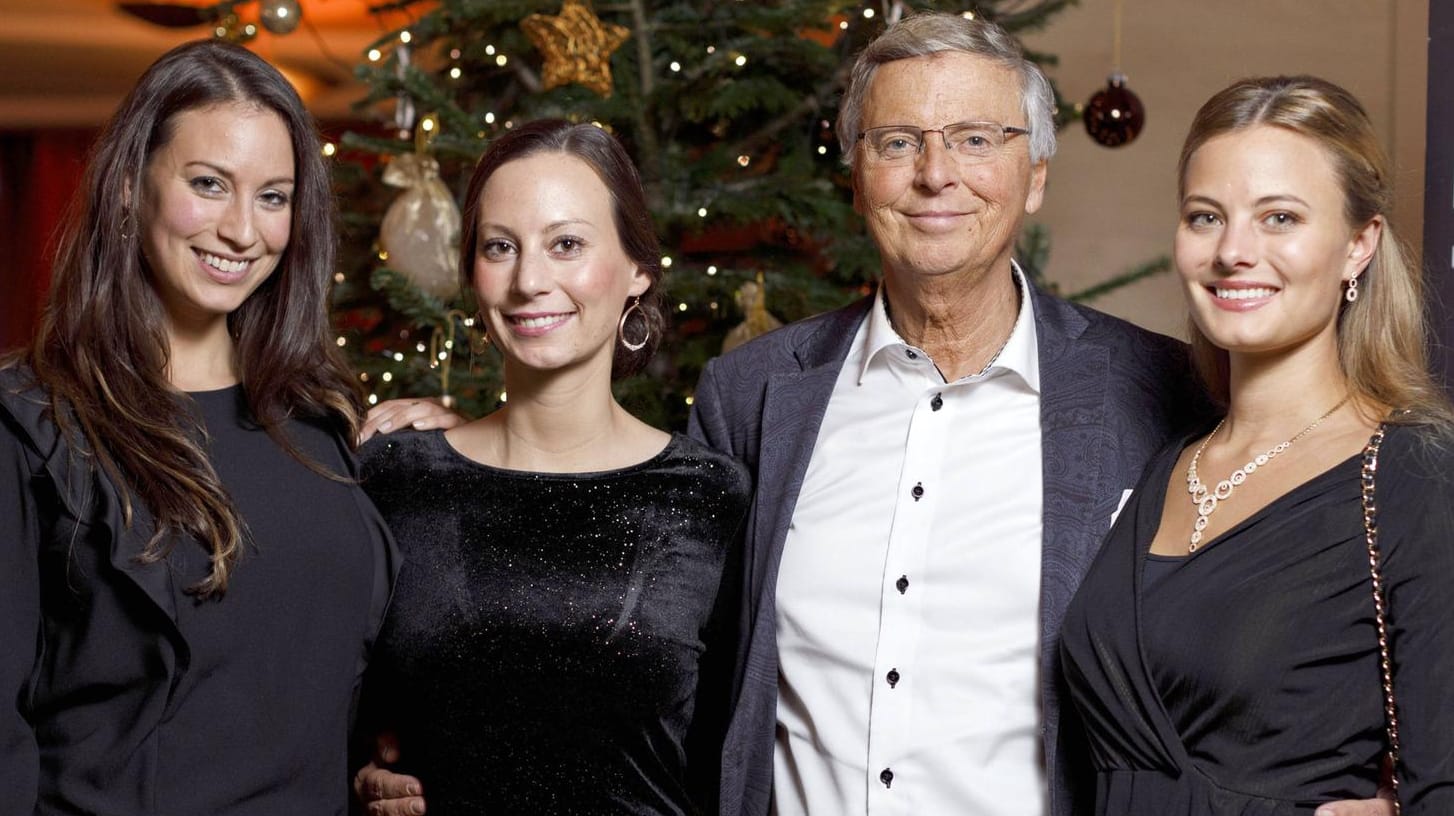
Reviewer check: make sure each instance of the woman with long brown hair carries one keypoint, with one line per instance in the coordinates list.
(189, 575)
(1268, 628)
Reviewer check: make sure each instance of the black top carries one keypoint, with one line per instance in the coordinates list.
(1246, 680)
(541, 653)
(142, 703)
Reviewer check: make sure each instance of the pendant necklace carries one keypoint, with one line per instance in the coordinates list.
(1207, 500)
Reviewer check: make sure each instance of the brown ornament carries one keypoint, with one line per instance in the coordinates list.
(577, 46)
(1115, 116)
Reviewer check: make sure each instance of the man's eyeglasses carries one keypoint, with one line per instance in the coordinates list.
(969, 142)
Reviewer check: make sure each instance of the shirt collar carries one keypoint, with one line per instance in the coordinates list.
(1020, 354)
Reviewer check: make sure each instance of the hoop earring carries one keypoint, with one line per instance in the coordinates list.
(621, 327)
(1351, 293)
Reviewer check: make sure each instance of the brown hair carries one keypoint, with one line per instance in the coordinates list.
(1381, 336)
(101, 350)
(634, 227)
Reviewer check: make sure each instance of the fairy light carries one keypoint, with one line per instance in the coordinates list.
(744, 160)
(502, 396)
(383, 254)
(454, 53)
(690, 400)
(681, 307)
(868, 14)
(741, 60)
(419, 348)
(375, 55)
(843, 26)
(968, 15)
(666, 261)
(338, 277)
(490, 118)
(676, 66)
(501, 60)
(405, 37)
(342, 341)
(701, 212)
(711, 49)
(455, 72)
(398, 357)
(329, 148)
(363, 376)
(489, 50)
(711, 270)
(387, 376)
(373, 399)
(822, 150)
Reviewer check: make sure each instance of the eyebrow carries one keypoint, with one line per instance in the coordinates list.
(1261, 202)
(223, 171)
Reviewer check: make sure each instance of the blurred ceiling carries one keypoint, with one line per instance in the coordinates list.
(67, 63)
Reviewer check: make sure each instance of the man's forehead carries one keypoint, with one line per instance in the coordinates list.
(949, 83)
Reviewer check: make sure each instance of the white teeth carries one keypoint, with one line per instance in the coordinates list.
(539, 322)
(1245, 294)
(222, 264)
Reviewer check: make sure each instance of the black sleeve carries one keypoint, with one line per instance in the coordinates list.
(20, 613)
(1416, 536)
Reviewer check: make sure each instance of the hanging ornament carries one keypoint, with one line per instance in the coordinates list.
(752, 299)
(577, 46)
(1114, 116)
(420, 232)
(280, 16)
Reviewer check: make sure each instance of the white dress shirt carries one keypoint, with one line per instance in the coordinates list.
(908, 597)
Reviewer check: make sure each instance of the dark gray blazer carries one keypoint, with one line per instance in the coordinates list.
(1112, 394)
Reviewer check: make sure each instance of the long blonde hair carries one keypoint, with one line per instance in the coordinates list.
(1381, 335)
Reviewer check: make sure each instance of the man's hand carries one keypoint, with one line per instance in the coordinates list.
(422, 414)
(1382, 806)
(383, 792)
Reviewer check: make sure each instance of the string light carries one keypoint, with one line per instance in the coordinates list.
(338, 277)
(329, 148)
(373, 399)
(342, 341)
(455, 73)
(711, 49)
(398, 357)
(375, 55)
(691, 400)
(405, 37)
(502, 396)
(666, 261)
(489, 119)
(454, 53)
(843, 26)
(489, 50)
(500, 60)
(681, 307)
(363, 376)
(711, 270)
(387, 376)
(868, 14)
(822, 150)
(419, 348)
(701, 212)
(676, 66)
(744, 160)
(741, 60)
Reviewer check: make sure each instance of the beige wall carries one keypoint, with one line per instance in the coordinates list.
(1109, 210)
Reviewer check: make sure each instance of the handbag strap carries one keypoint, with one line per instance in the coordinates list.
(1370, 530)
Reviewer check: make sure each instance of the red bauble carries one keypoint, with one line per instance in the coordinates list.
(1114, 116)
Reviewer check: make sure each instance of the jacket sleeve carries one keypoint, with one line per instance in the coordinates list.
(20, 613)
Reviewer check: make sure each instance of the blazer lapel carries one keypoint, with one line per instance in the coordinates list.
(793, 408)
(1073, 423)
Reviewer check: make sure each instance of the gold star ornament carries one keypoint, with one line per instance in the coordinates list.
(577, 46)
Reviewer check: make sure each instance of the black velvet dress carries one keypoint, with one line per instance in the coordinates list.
(1244, 679)
(543, 651)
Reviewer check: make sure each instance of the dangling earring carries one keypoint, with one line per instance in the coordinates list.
(125, 226)
(1351, 293)
(621, 327)
(480, 337)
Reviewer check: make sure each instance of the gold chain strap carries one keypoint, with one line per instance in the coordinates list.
(1370, 529)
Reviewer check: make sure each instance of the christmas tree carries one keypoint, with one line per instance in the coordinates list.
(727, 108)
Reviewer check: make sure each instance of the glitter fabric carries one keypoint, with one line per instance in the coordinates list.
(541, 654)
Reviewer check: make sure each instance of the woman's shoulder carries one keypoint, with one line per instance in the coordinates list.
(718, 470)
(398, 454)
(1417, 454)
(27, 408)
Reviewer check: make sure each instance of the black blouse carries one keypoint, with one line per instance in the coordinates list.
(542, 651)
(1246, 680)
(124, 694)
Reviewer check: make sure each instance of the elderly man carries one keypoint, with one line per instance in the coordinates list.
(935, 468)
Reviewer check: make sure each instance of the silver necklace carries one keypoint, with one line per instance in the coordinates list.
(1207, 500)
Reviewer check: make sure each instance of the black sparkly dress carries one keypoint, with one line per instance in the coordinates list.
(543, 650)
(1244, 679)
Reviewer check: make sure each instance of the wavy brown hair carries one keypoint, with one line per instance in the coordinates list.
(634, 227)
(101, 350)
(1381, 336)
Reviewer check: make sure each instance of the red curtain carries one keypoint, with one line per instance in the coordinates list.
(39, 173)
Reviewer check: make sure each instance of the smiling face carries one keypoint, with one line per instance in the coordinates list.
(216, 210)
(550, 273)
(1263, 246)
(936, 216)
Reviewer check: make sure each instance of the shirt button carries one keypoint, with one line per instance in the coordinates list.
(910, 354)
(902, 584)
(918, 491)
(892, 677)
(886, 776)
(937, 402)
